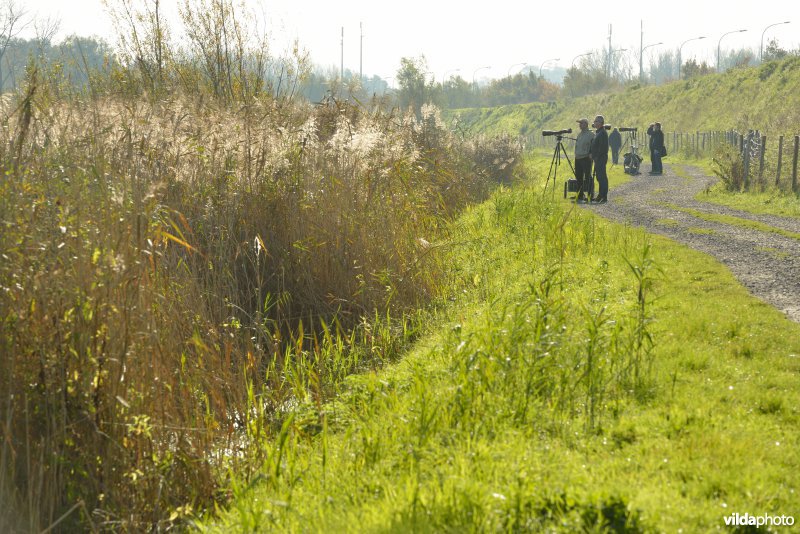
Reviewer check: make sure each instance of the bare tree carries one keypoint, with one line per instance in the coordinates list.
(12, 22)
(231, 52)
(46, 28)
(143, 36)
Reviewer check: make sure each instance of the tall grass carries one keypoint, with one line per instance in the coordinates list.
(177, 271)
(544, 345)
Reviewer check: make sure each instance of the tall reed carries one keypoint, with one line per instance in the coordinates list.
(178, 271)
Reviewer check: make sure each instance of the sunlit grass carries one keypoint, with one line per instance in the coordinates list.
(516, 412)
(734, 221)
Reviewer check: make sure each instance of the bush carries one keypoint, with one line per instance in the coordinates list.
(729, 166)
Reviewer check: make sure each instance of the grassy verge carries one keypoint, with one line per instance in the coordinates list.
(581, 376)
(734, 221)
(771, 200)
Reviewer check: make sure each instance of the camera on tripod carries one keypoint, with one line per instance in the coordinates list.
(626, 129)
(546, 133)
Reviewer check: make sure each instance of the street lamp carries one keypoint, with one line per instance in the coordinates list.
(680, 49)
(641, 54)
(476, 72)
(572, 65)
(761, 49)
(720, 41)
(545, 61)
(514, 65)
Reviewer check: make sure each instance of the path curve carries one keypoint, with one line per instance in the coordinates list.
(765, 262)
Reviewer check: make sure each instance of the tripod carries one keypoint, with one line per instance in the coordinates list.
(556, 161)
(632, 159)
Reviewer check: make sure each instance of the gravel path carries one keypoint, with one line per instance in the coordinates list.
(765, 262)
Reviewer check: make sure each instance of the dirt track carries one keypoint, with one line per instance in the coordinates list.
(765, 262)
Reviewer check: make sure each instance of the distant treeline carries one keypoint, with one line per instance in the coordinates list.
(73, 59)
(76, 58)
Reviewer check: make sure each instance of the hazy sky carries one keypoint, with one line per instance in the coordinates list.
(499, 34)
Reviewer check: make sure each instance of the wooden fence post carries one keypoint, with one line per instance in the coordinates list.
(794, 163)
(746, 154)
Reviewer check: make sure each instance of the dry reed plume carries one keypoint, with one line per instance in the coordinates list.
(174, 271)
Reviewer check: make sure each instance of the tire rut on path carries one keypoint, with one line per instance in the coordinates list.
(765, 262)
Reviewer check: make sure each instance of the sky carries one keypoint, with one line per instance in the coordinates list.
(484, 40)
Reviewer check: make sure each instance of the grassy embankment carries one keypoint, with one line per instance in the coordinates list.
(582, 376)
(763, 98)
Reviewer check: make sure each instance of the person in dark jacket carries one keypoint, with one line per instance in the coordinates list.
(615, 142)
(599, 154)
(656, 148)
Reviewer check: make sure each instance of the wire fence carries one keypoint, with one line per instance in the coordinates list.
(768, 161)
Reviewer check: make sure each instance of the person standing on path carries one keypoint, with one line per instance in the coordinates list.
(583, 161)
(656, 148)
(615, 142)
(599, 154)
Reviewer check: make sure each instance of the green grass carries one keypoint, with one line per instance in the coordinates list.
(764, 98)
(734, 221)
(581, 376)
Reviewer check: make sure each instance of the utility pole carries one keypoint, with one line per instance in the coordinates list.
(342, 60)
(608, 63)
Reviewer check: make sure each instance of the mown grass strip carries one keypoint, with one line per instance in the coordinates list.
(733, 221)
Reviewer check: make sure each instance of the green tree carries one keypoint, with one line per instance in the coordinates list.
(691, 69)
(774, 51)
(414, 89)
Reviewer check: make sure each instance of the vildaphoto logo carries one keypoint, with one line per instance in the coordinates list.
(740, 520)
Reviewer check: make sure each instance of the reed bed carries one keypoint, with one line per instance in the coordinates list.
(177, 271)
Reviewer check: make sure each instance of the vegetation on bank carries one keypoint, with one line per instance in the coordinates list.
(580, 376)
(195, 265)
(761, 98)
(165, 264)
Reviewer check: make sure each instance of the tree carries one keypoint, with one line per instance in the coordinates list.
(664, 67)
(774, 51)
(736, 58)
(590, 80)
(412, 82)
(691, 69)
(143, 37)
(12, 22)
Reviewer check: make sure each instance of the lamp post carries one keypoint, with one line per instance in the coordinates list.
(476, 72)
(641, 55)
(545, 61)
(572, 65)
(720, 41)
(514, 65)
(680, 55)
(761, 48)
